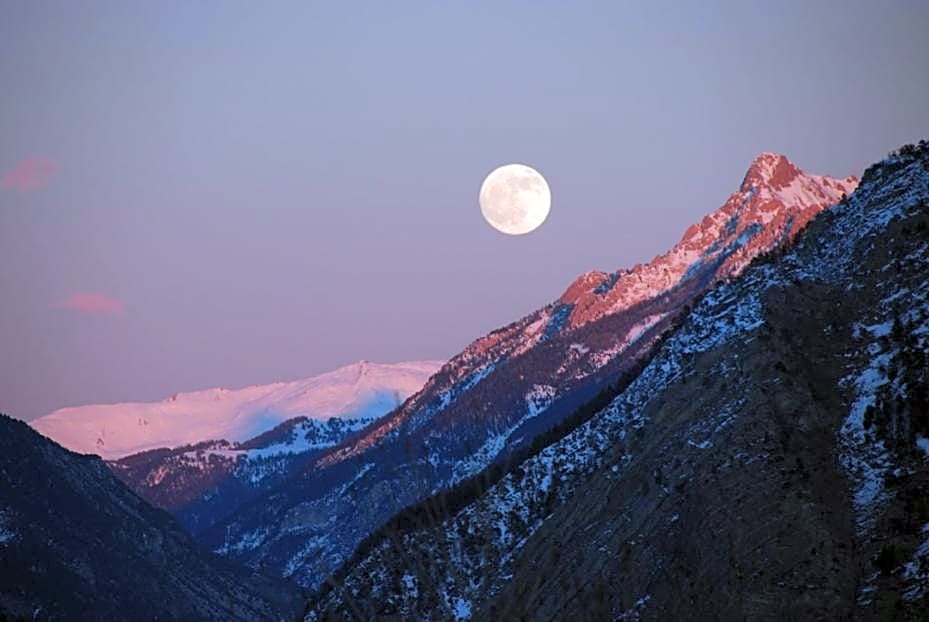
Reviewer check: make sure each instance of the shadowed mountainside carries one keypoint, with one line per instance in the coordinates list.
(76, 544)
(204, 483)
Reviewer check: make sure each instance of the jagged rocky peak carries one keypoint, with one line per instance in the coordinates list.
(585, 284)
(770, 169)
(775, 200)
(776, 171)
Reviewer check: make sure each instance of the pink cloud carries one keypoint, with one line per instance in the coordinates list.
(92, 304)
(30, 174)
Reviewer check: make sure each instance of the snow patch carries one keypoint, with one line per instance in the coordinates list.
(461, 609)
(539, 398)
(923, 443)
(7, 533)
(605, 356)
(865, 458)
(409, 583)
(916, 571)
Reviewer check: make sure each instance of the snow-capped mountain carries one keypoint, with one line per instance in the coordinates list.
(770, 461)
(516, 382)
(360, 390)
(774, 202)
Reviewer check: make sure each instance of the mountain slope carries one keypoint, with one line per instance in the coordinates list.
(75, 544)
(509, 386)
(204, 483)
(770, 462)
(116, 430)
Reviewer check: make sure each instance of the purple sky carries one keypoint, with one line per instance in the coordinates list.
(201, 194)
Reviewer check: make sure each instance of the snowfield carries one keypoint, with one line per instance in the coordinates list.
(361, 390)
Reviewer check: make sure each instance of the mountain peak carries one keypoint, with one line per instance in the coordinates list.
(776, 199)
(770, 169)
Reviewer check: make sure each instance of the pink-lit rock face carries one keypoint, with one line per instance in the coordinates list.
(772, 170)
(775, 201)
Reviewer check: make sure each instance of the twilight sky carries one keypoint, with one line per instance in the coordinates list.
(221, 193)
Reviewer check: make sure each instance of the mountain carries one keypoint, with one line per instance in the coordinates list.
(76, 544)
(770, 462)
(113, 431)
(506, 388)
(204, 483)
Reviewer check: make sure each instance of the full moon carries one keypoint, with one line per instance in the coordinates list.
(515, 199)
